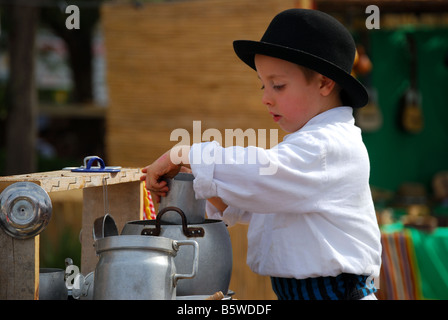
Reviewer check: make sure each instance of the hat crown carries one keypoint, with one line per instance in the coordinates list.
(315, 33)
(314, 40)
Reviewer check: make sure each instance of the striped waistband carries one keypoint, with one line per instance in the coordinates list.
(342, 287)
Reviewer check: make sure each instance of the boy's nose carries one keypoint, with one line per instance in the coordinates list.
(266, 99)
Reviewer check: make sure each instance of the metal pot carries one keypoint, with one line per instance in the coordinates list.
(52, 284)
(181, 195)
(213, 239)
(139, 267)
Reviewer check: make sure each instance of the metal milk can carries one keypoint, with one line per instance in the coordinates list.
(134, 267)
(182, 196)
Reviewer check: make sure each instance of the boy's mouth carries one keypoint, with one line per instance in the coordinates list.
(276, 117)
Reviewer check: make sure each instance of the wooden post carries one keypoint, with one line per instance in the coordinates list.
(125, 203)
(19, 259)
(19, 268)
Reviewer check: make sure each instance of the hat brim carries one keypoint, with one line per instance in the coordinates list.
(353, 93)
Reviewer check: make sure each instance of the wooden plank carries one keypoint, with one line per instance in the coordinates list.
(125, 204)
(19, 268)
(19, 263)
(64, 180)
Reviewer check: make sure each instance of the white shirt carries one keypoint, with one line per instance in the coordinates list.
(315, 215)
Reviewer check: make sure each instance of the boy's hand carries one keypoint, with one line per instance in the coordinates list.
(154, 173)
(165, 167)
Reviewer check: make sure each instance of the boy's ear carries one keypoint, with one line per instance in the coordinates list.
(326, 85)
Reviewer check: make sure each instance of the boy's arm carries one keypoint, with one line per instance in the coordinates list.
(218, 203)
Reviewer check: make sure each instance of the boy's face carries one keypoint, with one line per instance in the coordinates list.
(291, 98)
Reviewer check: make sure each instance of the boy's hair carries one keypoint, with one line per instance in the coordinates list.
(310, 74)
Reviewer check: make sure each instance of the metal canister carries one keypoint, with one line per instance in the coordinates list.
(181, 195)
(133, 267)
(52, 284)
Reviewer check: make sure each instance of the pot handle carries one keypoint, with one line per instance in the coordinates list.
(188, 231)
(178, 243)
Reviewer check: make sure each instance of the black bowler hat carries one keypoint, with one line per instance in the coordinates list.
(314, 40)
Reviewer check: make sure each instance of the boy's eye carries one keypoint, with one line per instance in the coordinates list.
(278, 86)
(275, 86)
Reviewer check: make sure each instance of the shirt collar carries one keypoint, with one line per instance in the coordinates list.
(337, 114)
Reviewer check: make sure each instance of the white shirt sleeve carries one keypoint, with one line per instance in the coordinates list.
(257, 180)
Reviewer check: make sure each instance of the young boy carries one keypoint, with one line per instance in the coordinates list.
(312, 224)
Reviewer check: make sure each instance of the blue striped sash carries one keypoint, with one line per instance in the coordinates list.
(342, 287)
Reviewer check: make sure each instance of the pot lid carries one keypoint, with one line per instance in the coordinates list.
(25, 209)
(133, 242)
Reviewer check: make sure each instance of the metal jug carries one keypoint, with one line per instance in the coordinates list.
(139, 267)
(181, 195)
